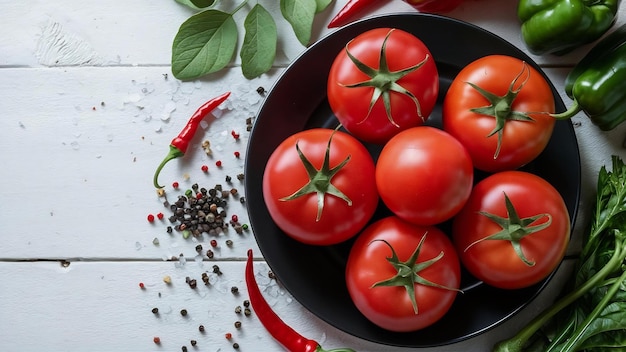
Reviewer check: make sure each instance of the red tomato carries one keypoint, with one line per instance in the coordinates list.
(434, 285)
(331, 211)
(495, 261)
(527, 92)
(424, 175)
(410, 96)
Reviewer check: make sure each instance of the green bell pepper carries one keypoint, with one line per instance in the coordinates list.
(560, 26)
(597, 84)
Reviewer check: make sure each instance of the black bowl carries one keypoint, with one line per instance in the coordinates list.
(314, 275)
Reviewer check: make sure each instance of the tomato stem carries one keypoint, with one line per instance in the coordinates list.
(320, 180)
(384, 81)
(501, 106)
(514, 228)
(408, 272)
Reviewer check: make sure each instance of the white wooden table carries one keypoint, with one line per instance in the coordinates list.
(89, 107)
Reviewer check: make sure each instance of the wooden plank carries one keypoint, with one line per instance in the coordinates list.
(100, 307)
(122, 33)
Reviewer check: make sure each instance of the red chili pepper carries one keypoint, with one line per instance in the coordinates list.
(291, 340)
(349, 11)
(434, 6)
(179, 145)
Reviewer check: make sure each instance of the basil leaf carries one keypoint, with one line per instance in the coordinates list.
(322, 5)
(197, 4)
(300, 14)
(205, 43)
(259, 43)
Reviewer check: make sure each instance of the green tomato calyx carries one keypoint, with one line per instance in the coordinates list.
(501, 106)
(320, 180)
(408, 272)
(385, 81)
(515, 228)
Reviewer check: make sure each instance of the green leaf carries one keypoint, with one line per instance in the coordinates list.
(197, 4)
(259, 44)
(205, 43)
(300, 14)
(322, 5)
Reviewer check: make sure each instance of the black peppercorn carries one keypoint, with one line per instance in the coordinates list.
(155, 310)
(183, 312)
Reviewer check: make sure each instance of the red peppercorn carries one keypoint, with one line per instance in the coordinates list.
(160, 216)
(213, 243)
(199, 195)
(234, 218)
(205, 168)
(228, 336)
(141, 285)
(234, 134)
(237, 155)
(175, 185)
(150, 218)
(157, 340)
(218, 163)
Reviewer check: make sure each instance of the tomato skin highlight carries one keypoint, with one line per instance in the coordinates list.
(285, 174)
(494, 261)
(391, 307)
(351, 105)
(424, 175)
(522, 141)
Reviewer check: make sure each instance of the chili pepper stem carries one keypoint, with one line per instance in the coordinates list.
(173, 154)
(569, 113)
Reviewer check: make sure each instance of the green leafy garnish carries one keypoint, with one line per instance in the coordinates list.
(207, 41)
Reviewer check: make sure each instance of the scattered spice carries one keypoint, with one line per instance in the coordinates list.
(157, 340)
(228, 336)
(193, 342)
(213, 243)
(216, 270)
(238, 324)
(175, 185)
(160, 216)
(229, 243)
(205, 168)
(234, 290)
(155, 310)
(201, 328)
(183, 312)
(150, 218)
(142, 286)
(184, 348)
(209, 254)
(218, 163)
(167, 279)
(236, 345)
(260, 90)
(237, 154)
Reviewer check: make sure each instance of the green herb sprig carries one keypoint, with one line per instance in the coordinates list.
(207, 41)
